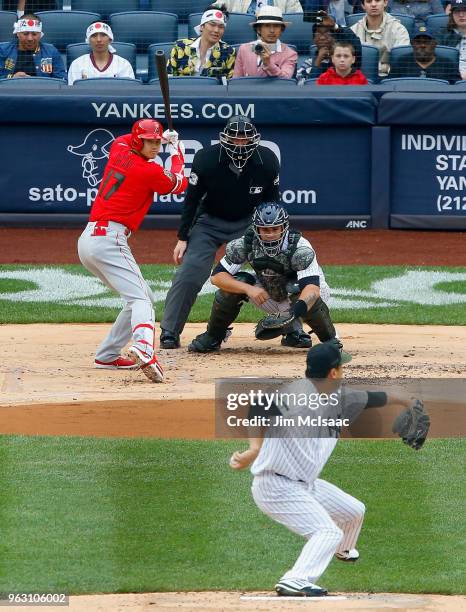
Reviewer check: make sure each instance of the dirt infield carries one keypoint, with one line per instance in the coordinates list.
(48, 385)
(368, 247)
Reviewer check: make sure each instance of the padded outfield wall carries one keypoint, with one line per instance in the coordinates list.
(349, 158)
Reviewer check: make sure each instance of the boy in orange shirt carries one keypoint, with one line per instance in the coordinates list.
(342, 71)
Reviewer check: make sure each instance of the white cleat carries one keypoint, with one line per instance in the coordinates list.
(150, 367)
(299, 588)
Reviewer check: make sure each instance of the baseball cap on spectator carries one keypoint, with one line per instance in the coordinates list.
(214, 15)
(422, 30)
(99, 27)
(269, 14)
(458, 5)
(323, 357)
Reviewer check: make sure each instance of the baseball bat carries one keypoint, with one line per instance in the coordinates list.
(161, 63)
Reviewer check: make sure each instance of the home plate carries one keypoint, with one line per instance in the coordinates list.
(284, 598)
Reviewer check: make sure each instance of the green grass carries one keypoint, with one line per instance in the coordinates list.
(402, 307)
(88, 515)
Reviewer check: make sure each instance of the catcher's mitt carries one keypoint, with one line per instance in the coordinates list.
(272, 325)
(412, 425)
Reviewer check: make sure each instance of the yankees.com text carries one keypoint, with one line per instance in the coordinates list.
(209, 110)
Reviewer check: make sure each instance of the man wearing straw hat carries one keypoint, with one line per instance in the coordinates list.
(267, 56)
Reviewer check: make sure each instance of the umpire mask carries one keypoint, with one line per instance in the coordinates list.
(239, 139)
(270, 215)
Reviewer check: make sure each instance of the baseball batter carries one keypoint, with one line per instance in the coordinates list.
(125, 195)
(286, 470)
(287, 283)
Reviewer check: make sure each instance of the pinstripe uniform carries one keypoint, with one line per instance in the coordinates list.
(287, 488)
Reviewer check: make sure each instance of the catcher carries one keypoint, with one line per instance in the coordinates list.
(287, 462)
(287, 283)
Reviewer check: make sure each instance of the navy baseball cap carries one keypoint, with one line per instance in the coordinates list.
(422, 30)
(458, 5)
(325, 356)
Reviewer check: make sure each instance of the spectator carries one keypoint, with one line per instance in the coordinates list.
(326, 34)
(27, 55)
(423, 61)
(252, 6)
(267, 56)
(342, 71)
(31, 6)
(381, 30)
(454, 35)
(419, 9)
(102, 61)
(206, 55)
(338, 9)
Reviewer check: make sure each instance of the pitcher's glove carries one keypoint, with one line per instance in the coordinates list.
(412, 425)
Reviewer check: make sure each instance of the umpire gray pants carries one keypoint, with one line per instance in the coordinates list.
(207, 236)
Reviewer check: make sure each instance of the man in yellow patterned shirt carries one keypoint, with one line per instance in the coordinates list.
(207, 55)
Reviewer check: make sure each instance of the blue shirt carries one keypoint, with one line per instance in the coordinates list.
(47, 60)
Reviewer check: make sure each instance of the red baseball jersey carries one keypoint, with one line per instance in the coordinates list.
(128, 186)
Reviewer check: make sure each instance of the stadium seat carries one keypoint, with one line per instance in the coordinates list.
(126, 50)
(106, 7)
(7, 20)
(440, 51)
(299, 33)
(144, 28)
(166, 47)
(258, 84)
(107, 84)
(237, 31)
(369, 61)
(413, 84)
(33, 83)
(62, 28)
(406, 20)
(183, 8)
(189, 81)
(435, 23)
(11, 5)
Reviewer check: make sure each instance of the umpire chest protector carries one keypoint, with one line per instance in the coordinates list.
(273, 272)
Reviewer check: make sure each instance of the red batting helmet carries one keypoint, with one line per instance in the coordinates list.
(145, 128)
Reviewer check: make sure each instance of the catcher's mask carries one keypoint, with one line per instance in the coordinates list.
(268, 215)
(240, 139)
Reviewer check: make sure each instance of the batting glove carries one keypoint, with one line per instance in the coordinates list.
(170, 137)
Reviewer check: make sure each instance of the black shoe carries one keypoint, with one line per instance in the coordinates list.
(204, 343)
(169, 340)
(297, 340)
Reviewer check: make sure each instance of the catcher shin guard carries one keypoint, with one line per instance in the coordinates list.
(225, 309)
(318, 319)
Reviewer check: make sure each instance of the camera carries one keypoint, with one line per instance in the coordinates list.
(258, 48)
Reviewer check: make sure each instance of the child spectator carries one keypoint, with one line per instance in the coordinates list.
(342, 72)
